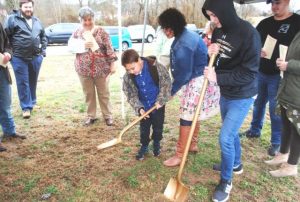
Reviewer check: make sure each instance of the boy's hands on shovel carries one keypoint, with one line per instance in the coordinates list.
(142, 112)
(157, 105)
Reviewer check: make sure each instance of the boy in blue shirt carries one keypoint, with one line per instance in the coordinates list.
(147, 83)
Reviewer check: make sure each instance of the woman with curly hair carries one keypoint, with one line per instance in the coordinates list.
(188, 57)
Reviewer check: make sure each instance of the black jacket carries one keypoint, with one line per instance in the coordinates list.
(4, 47)
(25, 42)
(238, 62)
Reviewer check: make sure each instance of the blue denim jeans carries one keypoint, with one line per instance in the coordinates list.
(233, 113)
(6, 119)
(267, 91)
(26, 72)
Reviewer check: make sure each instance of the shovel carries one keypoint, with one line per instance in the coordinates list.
(176, 190)
(119, 139)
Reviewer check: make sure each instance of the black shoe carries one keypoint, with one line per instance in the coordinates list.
(273, 149)
(222, 191)
(249, 134)
(156, 149)
(236, 170)
(2, 149)
(15, 135)
(141, 153)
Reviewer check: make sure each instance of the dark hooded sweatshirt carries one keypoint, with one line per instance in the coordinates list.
(238, 61)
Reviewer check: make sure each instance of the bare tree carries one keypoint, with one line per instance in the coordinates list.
(246, 11)
(132, 10)
(80, 3)
(56, 10)
(11, 4)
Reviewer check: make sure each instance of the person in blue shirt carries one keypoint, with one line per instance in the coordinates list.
(188, 57)
(146, 84)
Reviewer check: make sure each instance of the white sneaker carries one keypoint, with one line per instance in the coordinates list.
(285, 170)
(26, 114)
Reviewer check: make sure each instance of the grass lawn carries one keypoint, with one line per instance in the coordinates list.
(59, 157)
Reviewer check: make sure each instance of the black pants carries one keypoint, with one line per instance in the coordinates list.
(157, 121)
(290, 139)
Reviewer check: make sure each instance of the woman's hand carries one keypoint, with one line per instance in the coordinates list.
(263, 53)
(88, 44)
(6, 57)
(281, 64)
(113, 68)
(210, 74)
(214, 48)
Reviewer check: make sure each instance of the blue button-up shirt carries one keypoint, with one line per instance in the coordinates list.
(147, 89)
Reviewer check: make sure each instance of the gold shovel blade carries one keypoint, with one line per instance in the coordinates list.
(109, 143)
(176, 191)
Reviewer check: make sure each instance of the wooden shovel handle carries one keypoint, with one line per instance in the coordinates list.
(187, 146)
(136, 121)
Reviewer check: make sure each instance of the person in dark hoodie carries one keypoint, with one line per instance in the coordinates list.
(28, 40)
(6, 120)
(237, 46)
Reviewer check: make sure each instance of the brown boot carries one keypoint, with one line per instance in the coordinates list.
(285, 170)
(182, 140)
(194, 145)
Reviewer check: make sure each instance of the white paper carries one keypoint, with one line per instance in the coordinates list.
(282, 55)
(88, 36)
(269, 46)
(76, 45)
(282, 51)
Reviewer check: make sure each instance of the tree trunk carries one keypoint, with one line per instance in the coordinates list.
(11, 4)
(80, 3)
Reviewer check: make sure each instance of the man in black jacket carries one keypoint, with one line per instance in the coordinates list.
(237, 45)
(6, 119)
(28, 40)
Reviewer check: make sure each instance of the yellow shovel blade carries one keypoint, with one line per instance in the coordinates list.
(109, 143)
(176, 191)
